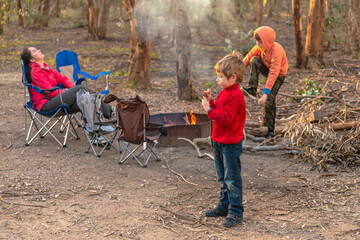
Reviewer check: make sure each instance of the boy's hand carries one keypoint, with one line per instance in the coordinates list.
(207, 95)
(205, 104)
(263, 99)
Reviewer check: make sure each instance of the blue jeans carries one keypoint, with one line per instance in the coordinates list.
(228, 169)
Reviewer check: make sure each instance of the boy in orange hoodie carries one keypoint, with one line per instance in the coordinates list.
(268, 58)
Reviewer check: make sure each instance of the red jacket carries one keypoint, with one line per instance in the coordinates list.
(229, 115)
(272, 55)
(45, 78)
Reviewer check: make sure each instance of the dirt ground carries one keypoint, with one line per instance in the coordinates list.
(48, 192)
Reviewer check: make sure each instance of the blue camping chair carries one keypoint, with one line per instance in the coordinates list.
(55, 117)
(67, 64)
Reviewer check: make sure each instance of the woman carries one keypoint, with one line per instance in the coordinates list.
(39, 74)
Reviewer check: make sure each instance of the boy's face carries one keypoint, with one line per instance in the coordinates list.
(225, 82)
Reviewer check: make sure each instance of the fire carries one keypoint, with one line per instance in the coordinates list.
(192, 117)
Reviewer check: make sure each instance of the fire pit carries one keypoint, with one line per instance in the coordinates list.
(179, 125)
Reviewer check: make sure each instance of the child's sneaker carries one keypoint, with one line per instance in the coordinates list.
(232, 220)
(215, 212)
(270, 134)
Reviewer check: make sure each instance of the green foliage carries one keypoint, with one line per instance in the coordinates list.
(309, 87)
(207, 85)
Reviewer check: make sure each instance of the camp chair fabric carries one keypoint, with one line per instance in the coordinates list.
(60, 117)
(67, 64)
(99, 134)
(133, 119)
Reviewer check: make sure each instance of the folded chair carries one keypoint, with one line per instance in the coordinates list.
(55, 118)
(135, 134)
(67, 64)
(99, 134)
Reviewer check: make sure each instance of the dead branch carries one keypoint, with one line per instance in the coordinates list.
(197, 149)
(176, 173)
(21, 204)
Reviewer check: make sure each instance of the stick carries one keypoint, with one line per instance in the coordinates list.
(21, 204)
(178, 174)
(197, 149)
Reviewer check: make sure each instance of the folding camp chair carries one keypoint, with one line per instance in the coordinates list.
(99, 134)
(133, 120)
(54, 118)
(67, 64)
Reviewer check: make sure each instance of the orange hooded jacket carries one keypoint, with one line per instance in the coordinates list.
(272, 55)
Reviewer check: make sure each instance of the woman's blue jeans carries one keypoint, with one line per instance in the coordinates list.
(228, 169)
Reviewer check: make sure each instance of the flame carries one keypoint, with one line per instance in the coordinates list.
(193, 118)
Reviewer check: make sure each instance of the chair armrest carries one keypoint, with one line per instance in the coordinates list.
(42, 91)
(96, 77)
(79, 81)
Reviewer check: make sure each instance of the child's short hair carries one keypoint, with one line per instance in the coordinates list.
(231, 64)
(257, 37)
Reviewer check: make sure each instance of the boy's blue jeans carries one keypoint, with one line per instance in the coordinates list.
(228, 169)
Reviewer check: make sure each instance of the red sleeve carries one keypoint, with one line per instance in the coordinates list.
(231, 108)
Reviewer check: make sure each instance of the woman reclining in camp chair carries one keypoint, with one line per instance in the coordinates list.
(39, 74)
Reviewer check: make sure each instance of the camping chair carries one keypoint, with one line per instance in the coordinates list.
(55, 117)
(133, 120)
(67, 64)
(99, 134)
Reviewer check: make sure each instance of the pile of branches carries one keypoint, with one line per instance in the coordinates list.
(317, 139)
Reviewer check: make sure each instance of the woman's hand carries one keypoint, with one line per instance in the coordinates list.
(263, 99)
(205, 104)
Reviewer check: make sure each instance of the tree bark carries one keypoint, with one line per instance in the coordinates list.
(353, 44)
(103, 18)
(140, 43)
(315, 35)
(58, 7)
(1, 25)
(183, 63)
(299, 41)
(20, 14)
(259, 12)
(98, 18)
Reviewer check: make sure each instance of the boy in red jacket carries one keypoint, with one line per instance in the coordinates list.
(228, 114)
(268, 58)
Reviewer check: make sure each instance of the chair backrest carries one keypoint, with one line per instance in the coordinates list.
(26, 88)
(133, 116)
(67, 64)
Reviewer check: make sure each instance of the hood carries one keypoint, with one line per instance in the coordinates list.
(267, 35)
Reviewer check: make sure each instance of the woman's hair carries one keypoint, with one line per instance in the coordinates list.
(26, 57)
(231, 64)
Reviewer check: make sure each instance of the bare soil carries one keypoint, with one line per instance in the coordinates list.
(48, 192)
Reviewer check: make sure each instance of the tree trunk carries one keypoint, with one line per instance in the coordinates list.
(299, 41)
(259, 12)
(20, 14)
(353, 44)
(58, 7)
(98, 18)
(139, 68)
(315, 35)
(1, 25)
(183, 62)
(103, 19)
(45, 16)
(279, 5)
(129, 6)
(271, 7)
